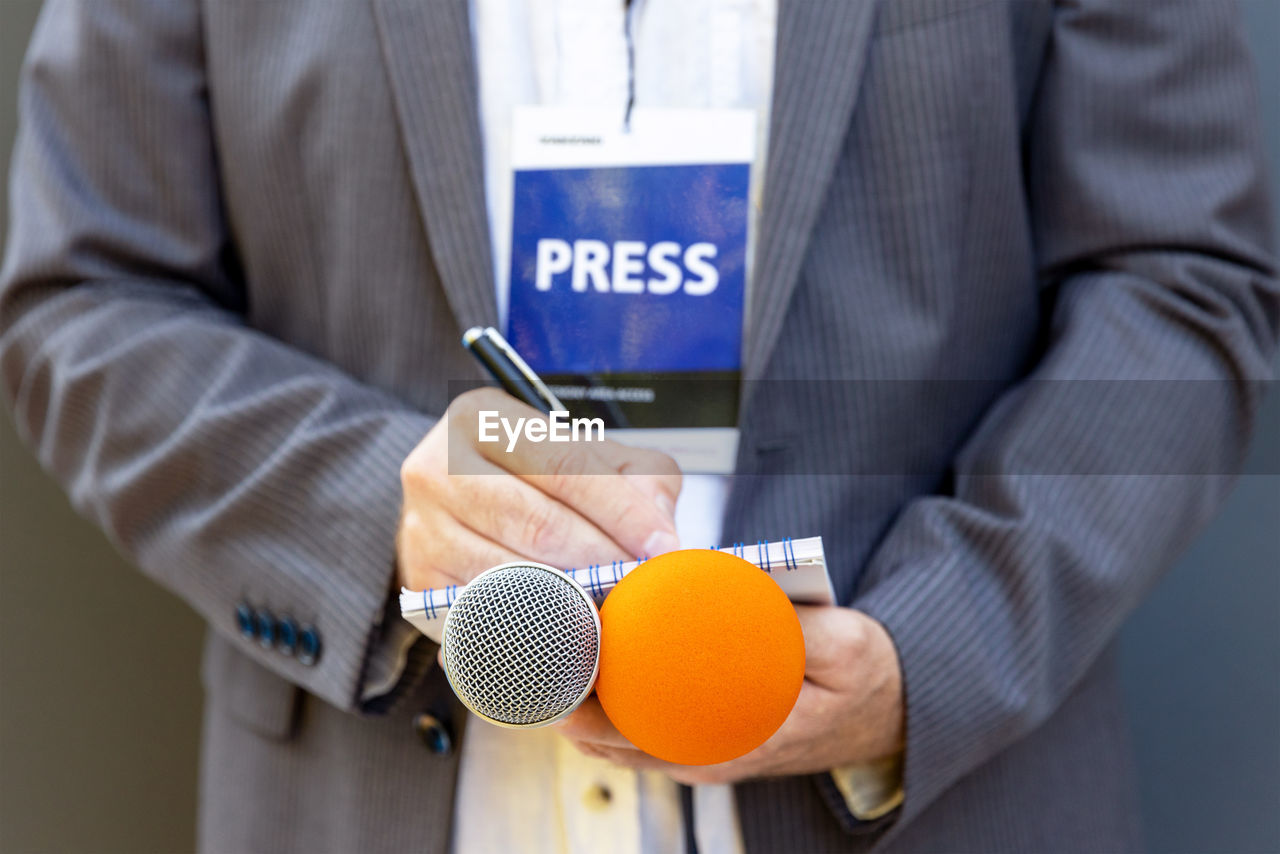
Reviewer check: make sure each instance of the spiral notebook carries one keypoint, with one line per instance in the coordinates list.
(799, 567)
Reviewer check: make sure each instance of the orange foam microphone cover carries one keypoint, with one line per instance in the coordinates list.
(701, 657)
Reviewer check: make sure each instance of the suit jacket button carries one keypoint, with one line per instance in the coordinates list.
(287, 632)
(434, 733)
(266, 628)
(309, 646)
(244, 619)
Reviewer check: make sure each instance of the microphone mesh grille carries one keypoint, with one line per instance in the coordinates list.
(521, 645)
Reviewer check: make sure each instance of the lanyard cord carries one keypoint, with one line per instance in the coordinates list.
(631, 66)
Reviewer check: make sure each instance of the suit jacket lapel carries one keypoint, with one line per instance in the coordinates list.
(821, 50)
(426, 45)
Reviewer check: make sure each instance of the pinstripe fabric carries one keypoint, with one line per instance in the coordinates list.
(246, 234)
(186, 434)
(328, 782)
(821, 44)
(428, 50)
(1002, 593)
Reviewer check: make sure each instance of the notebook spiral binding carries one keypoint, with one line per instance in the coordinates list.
(788, 554)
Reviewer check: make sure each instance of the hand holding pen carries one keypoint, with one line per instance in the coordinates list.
(469, 505)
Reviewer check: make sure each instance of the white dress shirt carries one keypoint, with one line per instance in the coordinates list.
(530, 790)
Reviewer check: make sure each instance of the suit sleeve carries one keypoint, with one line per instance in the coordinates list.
(228, 466)
(1083, 483)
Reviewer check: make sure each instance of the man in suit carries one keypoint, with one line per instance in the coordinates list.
(1012, 310)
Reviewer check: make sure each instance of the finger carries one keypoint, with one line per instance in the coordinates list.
(626, 509)
(627, 757)
(579, 475)
(436, 550)
(642, 523)
(589, 723)
(830, 640)
(653, 472)
(591, 731)
(795, 748)
(638, 760)
(527, 521)
(588, 749)
(415, 554)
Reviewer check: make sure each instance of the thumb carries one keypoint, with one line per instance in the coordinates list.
(834, 638)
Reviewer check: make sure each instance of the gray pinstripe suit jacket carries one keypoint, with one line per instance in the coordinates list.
(246, 235)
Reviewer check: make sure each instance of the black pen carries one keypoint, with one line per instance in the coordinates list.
(512, 372)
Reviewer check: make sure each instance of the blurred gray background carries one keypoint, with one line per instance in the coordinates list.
(100, 694)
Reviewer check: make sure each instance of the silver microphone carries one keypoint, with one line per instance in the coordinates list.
(522, 645)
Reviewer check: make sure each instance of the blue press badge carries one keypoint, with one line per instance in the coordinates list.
(629, 269)
(628, 263)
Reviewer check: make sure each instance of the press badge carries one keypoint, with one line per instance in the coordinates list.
(628, 270)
